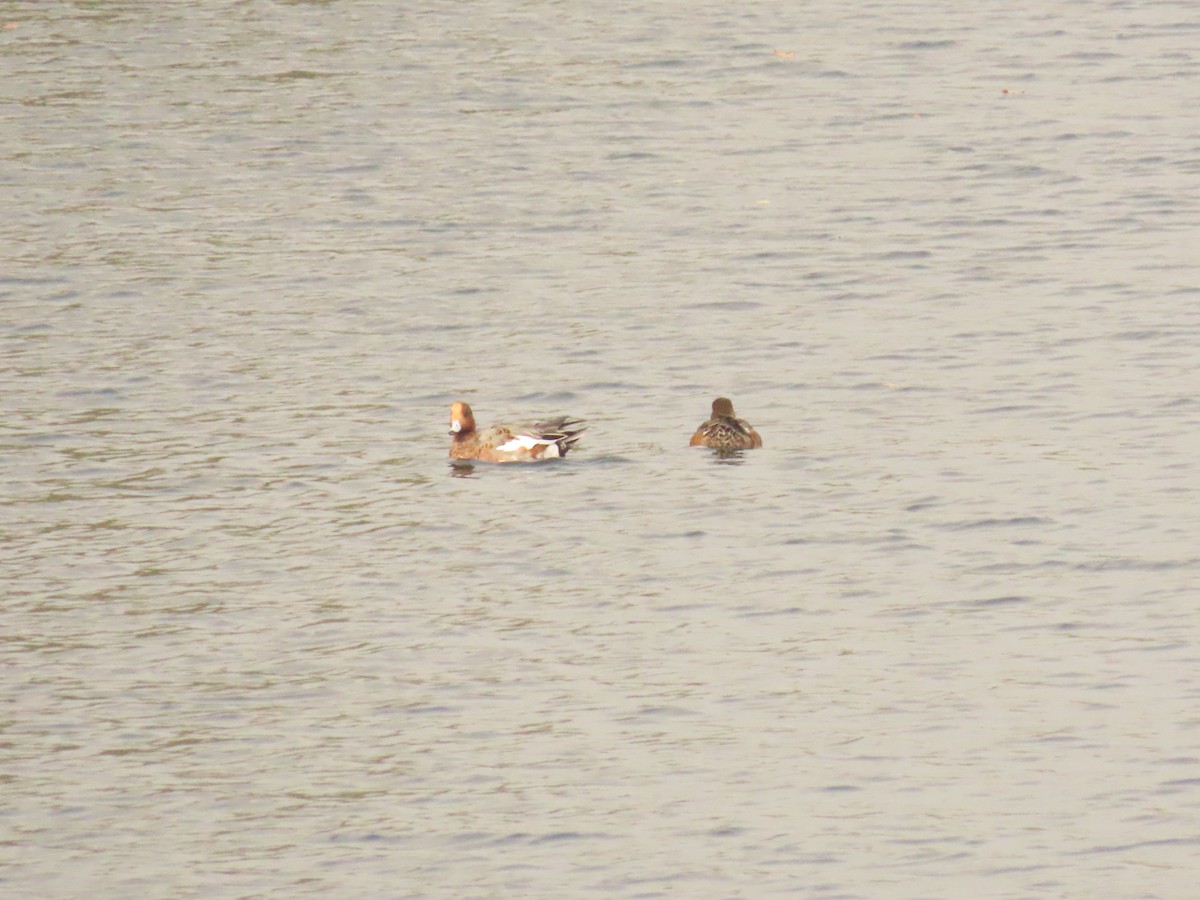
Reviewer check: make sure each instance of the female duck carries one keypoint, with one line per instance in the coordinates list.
(725, 431)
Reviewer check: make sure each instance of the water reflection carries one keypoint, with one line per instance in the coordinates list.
(728, 457)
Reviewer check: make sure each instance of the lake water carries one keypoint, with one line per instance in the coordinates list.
(938, 638)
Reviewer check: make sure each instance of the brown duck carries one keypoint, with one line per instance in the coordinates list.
(725, 431)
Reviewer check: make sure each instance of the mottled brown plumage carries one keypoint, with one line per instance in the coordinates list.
(725, 431)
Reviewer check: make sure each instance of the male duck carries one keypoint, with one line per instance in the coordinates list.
(725, 431)
(511, 443)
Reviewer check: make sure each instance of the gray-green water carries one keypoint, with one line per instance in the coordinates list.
(937, 638)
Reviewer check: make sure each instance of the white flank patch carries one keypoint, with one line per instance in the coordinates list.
(528, 442)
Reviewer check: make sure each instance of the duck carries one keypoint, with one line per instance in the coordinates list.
(548, 439)
(725, 431)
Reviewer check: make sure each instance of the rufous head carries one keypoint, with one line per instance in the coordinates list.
(462, 420)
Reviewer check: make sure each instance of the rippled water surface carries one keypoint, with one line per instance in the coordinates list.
(937, 638)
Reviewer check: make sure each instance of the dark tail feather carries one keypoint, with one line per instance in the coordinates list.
(564, 431)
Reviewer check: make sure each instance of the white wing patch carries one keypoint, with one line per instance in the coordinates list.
(527, 442)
